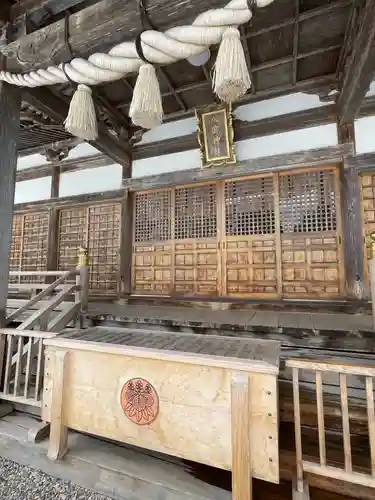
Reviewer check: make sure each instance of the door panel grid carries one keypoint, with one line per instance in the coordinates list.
(29, 245)
(276, 235)
(97, 228)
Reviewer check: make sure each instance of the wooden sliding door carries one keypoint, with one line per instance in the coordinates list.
(249, 239)
(96, 227)
(266, 236)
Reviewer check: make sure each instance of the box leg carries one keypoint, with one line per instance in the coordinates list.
(241, 458)
(59, 432)
(300, 490)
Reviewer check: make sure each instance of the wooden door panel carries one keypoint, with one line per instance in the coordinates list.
(310, 249)
(310, 266)
(196, 261)
(196, 267)
(249, 246)
(250, 265)
(152, 269)
(152, 263)
(98, 228)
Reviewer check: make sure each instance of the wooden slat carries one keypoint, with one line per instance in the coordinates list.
(331, 366)
(18, 367)
(28, 366)
(320, 410)
(51, 304)
(371, 420)
(339, 474)
(44, 293)
(8, 364)
(345, 422)
(297, 429)
(39, 369)
(241, 459)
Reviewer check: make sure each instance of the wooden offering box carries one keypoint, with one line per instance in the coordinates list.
(203, 398)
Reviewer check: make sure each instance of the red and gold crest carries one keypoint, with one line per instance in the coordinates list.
(140, 401)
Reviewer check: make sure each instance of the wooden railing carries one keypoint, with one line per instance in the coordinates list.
(70, 298)
(342, 474)
(24, 361)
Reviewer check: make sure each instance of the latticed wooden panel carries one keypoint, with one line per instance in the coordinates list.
(152, 268)
(73, 227)
(368, 201)
(104, 233)
(97, 228)
(29, 245)
(195, 235)
(310, 239)
(249, 248)
(16, 248)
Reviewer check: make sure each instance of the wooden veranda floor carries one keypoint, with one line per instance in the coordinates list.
(328, 330)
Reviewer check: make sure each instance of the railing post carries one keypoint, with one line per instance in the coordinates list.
(371, 242)
(82, 295)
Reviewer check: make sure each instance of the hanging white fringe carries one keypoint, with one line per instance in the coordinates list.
(81, 120)
(146, 108)
(231, 75)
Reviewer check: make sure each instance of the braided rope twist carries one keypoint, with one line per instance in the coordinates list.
(159, 48)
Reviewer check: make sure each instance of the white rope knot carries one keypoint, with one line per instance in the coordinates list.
(231, 79)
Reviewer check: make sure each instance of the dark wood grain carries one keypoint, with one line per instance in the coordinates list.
(301, 159)
(57, 109)
(360, 69)
(98, 27)
(10, 105)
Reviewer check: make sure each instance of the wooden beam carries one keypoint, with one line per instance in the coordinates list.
(299, 159)
(98, 27)
(30, 7)
(57, 109)
(93, 161)
(351, 215)
(360, 70)
(10, 105)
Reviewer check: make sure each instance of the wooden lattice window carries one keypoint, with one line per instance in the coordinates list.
(153, 216)
(97, 228)
(249, 207)
(103, 246)
(308, 202)
(72, 235)
(195, 212)
(29, 244)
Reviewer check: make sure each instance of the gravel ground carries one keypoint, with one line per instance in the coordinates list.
(18, 482)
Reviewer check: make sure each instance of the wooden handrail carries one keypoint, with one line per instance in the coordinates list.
(67, 274)
(332, 367)
(27, 333)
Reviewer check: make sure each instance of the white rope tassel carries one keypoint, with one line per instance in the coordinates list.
(81, 120)
(231, 76)
(146, 108)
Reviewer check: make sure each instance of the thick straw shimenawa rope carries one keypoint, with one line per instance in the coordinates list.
(159, 48)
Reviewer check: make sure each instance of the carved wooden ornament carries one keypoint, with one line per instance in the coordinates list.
(140, 401)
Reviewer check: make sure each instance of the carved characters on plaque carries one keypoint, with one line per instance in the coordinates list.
(140, 401)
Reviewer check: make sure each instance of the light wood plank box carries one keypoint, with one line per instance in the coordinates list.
(218, 401)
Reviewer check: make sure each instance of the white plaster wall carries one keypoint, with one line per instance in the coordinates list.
(91, 180)
(288, 142)
(248, 112)
(33, 190)
(365, 135)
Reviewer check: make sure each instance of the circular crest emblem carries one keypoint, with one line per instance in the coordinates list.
(140, 401)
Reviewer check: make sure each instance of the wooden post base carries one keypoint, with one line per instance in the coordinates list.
(39, 432)
(301, 495)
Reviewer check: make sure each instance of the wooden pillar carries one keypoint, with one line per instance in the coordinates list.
(352, 237)
(126, 253)
(126, 245)
(10, 105)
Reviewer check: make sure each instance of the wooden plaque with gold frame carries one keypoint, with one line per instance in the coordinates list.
(215, 135)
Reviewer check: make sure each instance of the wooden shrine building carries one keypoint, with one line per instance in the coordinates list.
(261, 231)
